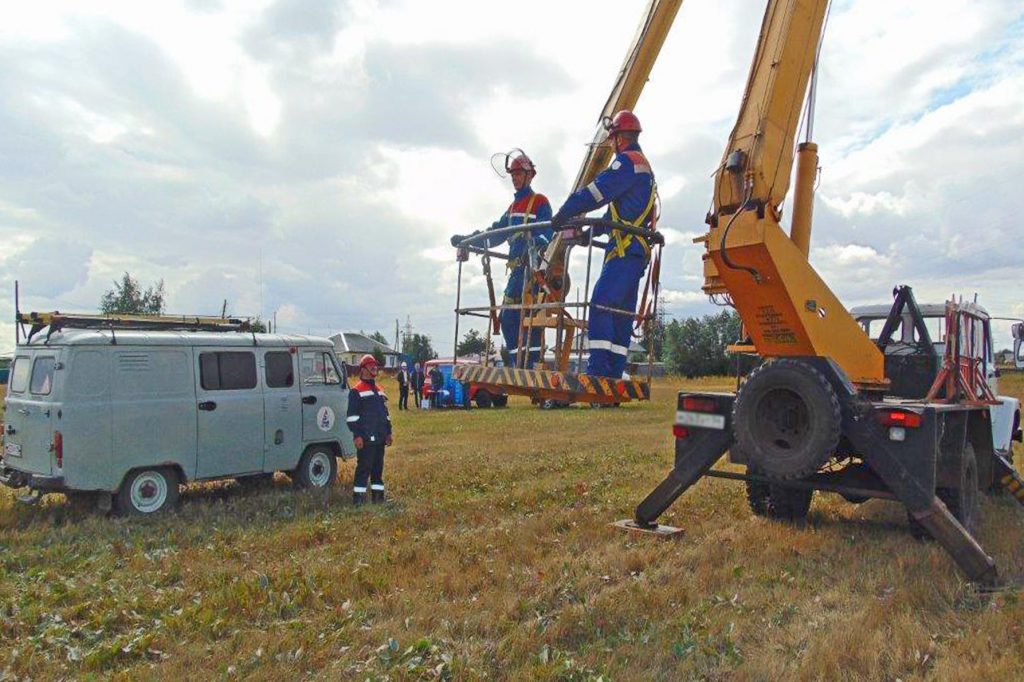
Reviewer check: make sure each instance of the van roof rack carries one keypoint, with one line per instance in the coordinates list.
(57, 320)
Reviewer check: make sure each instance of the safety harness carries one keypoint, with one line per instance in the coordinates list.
(622, 241)
(514, 263)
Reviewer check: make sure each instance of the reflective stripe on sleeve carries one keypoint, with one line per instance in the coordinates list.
(365, 394)
(595, 192)
(353, 419)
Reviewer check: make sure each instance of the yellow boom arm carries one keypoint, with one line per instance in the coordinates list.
(785, 306)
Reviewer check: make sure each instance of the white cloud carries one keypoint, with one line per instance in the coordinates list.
(348, 141)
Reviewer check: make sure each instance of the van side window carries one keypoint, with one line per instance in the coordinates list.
(42, 376)
(280, 372)
(19, 374)
(227, 370)
(318, 368)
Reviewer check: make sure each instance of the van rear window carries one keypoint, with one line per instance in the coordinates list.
(42, 376)
(19, 374)
(227, 371)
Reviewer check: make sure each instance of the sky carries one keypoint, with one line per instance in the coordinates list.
(310, 160)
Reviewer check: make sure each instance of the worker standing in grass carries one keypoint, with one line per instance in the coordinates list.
(627, 187)
(370, 423)
(418, 379)
(527, 207)
(403, 386)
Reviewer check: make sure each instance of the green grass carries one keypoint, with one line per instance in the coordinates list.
(495, 560)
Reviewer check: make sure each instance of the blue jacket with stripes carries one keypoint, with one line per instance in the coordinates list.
(368, 416)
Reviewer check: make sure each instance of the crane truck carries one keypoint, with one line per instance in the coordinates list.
(828, 408)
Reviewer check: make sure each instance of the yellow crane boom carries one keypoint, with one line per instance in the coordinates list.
(786, 307)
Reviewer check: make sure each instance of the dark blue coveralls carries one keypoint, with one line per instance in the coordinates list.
(627, 187)
(527, 207)
(368, 418)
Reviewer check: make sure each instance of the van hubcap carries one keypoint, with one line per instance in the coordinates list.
(319, 470)
(149, 492)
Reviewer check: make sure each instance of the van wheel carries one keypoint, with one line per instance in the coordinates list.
(501, 400)
(148, 491)
(483, 399)
(317, 470)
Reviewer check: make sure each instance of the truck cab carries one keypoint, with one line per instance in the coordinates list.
(905, 343)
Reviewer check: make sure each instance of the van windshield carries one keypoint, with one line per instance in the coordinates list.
(42, 376)
(19, 374)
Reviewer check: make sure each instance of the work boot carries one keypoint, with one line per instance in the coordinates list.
(358, 498)
(377, 496)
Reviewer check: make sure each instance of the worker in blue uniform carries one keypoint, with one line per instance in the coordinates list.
(627, 187)
(527, 207)
(370, 424)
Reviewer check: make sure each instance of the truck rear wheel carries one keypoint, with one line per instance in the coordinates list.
(776, 501)
(483, 398)
(787, 418)
(317, 470)
(148, 491)
(963, 501)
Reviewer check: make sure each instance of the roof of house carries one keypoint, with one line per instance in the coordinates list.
(357, 342)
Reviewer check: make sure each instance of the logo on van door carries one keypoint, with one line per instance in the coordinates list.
(325, 418)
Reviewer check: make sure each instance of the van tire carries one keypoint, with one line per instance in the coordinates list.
(317, 470)
(148, 491)
(483, 399)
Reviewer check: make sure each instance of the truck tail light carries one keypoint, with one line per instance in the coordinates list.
(58, 448)
(680, 432)
(695, 404)
(907, 420)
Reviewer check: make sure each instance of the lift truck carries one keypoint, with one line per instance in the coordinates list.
(827, 409)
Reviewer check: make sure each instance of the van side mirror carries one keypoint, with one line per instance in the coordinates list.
(1018, 331)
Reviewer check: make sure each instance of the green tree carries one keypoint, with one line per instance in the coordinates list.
(418, 347)
(379, 338)
(695, 347)
(127, 296)
(472, 344)
(258, 326)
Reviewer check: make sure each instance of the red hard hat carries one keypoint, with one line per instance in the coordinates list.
(624, 122)
(522, 162)
(368, 361)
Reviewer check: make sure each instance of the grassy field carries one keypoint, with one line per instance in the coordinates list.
(495, 560)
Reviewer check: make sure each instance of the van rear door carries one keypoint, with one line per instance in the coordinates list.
(28, 419)
(324, 400)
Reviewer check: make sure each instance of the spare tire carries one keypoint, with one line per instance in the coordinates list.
(786, 417)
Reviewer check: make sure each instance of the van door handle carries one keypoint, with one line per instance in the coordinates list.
(309, 400)
(10, 430)
(208, 406)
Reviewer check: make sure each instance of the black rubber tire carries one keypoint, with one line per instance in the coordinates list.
(789, 504)
(758, 495)
(317, 469)
(483, 399)
(964, 502)
(501, 400)
(148, 491)
(787, 418)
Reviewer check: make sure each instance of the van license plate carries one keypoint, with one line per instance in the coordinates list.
(12, 450)
(700, 420)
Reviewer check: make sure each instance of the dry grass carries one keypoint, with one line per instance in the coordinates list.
(495, 560)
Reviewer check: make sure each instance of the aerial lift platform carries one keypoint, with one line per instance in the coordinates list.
(550, 309)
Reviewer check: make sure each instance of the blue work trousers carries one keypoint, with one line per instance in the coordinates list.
(510, 332)
(609, 333)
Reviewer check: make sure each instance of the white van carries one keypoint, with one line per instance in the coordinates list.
(130, 415)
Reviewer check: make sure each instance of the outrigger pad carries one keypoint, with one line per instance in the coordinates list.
(657, 529)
